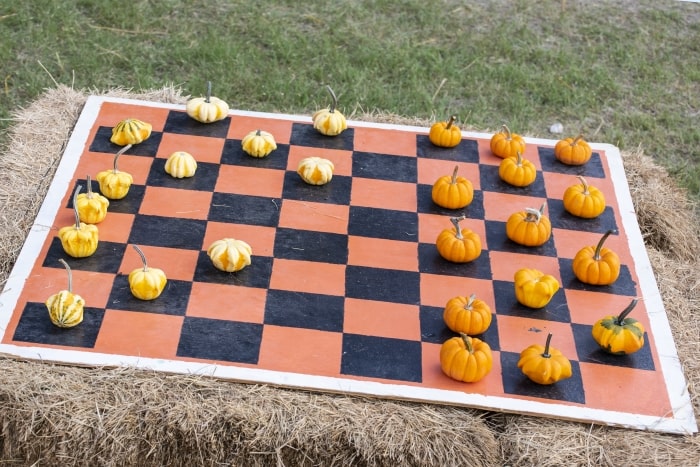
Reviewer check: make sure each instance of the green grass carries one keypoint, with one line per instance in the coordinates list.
(620, 72)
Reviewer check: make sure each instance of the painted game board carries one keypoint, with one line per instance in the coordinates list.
(346, 289)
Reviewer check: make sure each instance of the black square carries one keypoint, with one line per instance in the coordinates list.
(430, 261)
(385, 285)
(180, 123)
(383, 223)
(203, 180)
(382, 357)
(234, 154)
(305, 310)
(172, 301)
(335, 192)
(130, 204)
(556, 310)
(549, 163)
(590, 352)
(222, 340)
(107, 258)
(307, 245)
(497, 240)
(244, 209)
(170, 232)
(561, 219)
(256, 274)
(624, 285)
(515, 382)
(304, 134)
(35, 326)
(474, 210)
(102, 143)
(384, 167)
(466, 151)
(491, 181)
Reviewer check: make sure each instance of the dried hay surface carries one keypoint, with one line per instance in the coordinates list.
(59, 415)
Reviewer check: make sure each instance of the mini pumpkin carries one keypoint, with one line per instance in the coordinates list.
(544, 365)
(529, 227)
(130, 131)
(619, 335)
(330, 121)
(533, 288)
(466, 359)
(79, 240)
(445, 134)
(115, 184)
(92, 207)
(207, 109)
(458, 245)
(315, 170)
(584, 200)
(229, 254)
(517, 171)
(506, 144)
(452, 192)
(573, 151)
(146, 283)
(597, 265)
(181, 164)
(467, 315)
(66, 309)
(258, 143)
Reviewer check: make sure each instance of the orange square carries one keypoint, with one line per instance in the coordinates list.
(385, 141)
(177, 264)
(307, 276)
(112, 113)
(260, 238)
(500, 206)
(116, 227)
(516, 333)
(227, 302)
(378, 252)
(94, 287)
(304, 351)
(570, 242)
(202, 148)
(434, 377)
(320, 217)
(241, 125)
(174, 202)
(436, 290)
(430, 170)
(505, 264)
(383, 194)
(254, 181)
(146, 335)
(586, 307)
(342, 160)
(431, 225)
(385, 319)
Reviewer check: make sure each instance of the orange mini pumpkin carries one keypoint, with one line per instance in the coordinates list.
(453, 192)
(465, 358)
(584, 200)
(467, 315)
(529, 227)
(445, 134)
(506, 144)
(517, 171)
(458, 245)
(544, 365)
(573, 151)
(597, 265)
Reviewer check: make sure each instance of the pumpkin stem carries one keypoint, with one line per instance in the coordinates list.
(207, 98)
(534, 215)
(70, 274)
(599, 246)
(334, 104)
(450, 122)
(75, 206)
(468, 306)
(576, 140)
(143, 257)
(258, 133)
(585, 184)
(621, 317)
(89, 186)
(455, 221)
(116, 157)
(506, 130)
(454, 175)
(519, 159)
(546, 353)
(467, 342)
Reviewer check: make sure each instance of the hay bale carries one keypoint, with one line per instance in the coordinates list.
(60, 415)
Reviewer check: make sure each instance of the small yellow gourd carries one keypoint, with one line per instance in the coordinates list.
(79, 240)
(146, 283)
(115, 184)
(229, 254)
(315, 170)
(207, 109)
(181, 164)
(258, 143)
(533, 288)
(66, 309)
(92, 207)
(130, 131)
(329, 121)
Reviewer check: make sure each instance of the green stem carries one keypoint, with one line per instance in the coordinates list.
(546, 354)
(467, 342)
(116, 157)
(621, 317)
(88, 181)
(599, 246)
(450, 122)
(70, 274)
(75, 206)
(334, 104)
(207, 99)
